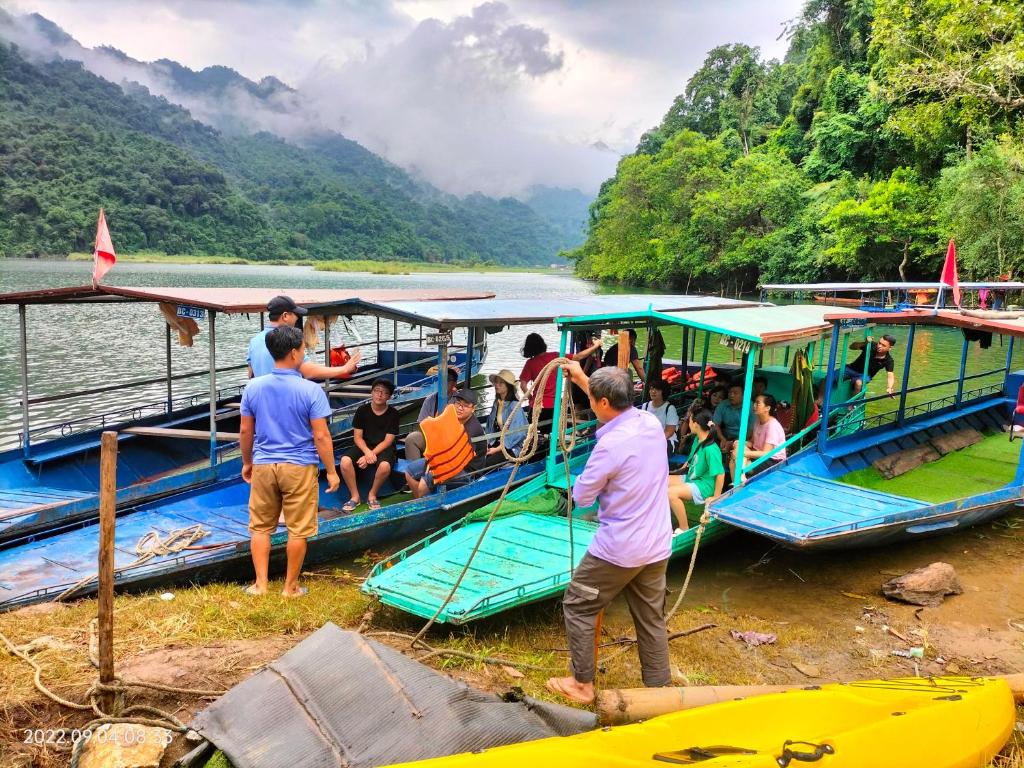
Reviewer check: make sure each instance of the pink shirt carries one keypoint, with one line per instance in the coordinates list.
(627, 473)
(769, 433)
(531, 370)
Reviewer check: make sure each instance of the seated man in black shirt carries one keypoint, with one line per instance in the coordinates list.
(611, 357)
(375, 429)
(878, 359)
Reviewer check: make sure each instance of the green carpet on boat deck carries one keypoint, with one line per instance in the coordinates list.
(984, 466)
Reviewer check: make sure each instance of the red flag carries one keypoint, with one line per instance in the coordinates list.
(103, 256)
(949, 273)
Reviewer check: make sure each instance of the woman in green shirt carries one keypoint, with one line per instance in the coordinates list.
(705, 474)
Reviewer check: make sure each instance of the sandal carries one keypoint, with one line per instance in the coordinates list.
(303, 591)
(350, 506)
(373, 504)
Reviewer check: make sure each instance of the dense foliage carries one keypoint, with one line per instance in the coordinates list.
(890, 127)
(71, 142)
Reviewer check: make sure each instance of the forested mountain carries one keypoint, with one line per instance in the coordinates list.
(71, 142)
(889, 127)
(564, 209)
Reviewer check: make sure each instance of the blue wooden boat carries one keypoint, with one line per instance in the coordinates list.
(828, 497)
(53, 477)
(40, 569)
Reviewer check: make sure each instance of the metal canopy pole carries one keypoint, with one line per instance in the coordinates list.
(470, 343)
(167, 348)
(394, 363)
(23, 333)
(906, 375)
(1009, 355)
(378, 340)
(551, 464)
(213, 388)
(327, 354)
(741, 439)
(703, 363)
(830, 378)
(963, 370)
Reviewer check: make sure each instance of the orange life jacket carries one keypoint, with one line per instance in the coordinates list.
(340, 356)
(671, 375)
(448, 450)
(693, 382)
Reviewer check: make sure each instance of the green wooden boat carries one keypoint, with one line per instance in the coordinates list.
(524, 557)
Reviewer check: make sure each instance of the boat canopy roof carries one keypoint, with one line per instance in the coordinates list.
(232, 300)
(873, 287)
(757, 323)
(499, 313)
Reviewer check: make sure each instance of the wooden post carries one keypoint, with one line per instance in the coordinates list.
(108, 507)
(624, 350)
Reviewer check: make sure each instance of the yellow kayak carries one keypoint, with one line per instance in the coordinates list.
(945, 722)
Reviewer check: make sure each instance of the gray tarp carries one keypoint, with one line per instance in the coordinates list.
(341, 699)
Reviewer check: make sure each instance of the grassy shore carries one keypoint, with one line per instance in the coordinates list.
(360, 265)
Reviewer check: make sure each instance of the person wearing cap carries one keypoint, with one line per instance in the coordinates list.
(374, 429)
(283, 438)
(282, 310)
(414, 441)
(417, 474)
(503, 409)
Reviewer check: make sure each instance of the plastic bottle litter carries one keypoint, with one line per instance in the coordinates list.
(913, 653)
(167, 596)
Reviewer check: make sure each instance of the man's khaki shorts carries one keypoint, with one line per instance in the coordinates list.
(291, 488)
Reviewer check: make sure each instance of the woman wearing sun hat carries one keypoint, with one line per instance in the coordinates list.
(506, 393)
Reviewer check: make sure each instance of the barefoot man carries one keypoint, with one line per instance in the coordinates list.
(627, 473)
(284, 432)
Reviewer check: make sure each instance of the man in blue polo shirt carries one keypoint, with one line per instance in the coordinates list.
(283, 435)
(282, 311)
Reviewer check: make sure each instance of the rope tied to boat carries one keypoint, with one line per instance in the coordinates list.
(526, 452)
(150, 545)
(131, 715)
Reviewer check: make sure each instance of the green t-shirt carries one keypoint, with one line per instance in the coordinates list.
(705, 465)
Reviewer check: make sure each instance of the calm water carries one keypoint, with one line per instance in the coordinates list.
(82, 347)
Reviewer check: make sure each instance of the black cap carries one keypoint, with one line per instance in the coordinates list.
(466, 394)
(281, 304)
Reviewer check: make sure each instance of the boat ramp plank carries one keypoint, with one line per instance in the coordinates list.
(793, 506)
(522, 558)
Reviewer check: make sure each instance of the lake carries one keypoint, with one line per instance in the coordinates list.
(82, 347)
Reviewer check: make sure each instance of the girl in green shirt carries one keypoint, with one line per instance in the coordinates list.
(705, 474)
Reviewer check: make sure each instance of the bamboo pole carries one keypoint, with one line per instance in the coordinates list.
(621, 706)
(624, 350)
(108, 507)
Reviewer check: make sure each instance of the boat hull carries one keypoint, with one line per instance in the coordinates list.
(946, 722)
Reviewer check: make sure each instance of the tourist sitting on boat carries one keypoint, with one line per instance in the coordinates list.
(417, 473)
(630, 550)
(705, 473)
(728, 415)
(374, 431)
(663, 411)
(767, 435)
(414, 441)
(283, 435)
(759, 386)
(535, 350)
(685, 436)
(283, 311)
(503, 409)
(611, 356)
(879, 358)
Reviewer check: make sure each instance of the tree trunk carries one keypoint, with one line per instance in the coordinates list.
(906, 260)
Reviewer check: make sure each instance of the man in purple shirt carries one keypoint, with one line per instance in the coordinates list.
(627, 473)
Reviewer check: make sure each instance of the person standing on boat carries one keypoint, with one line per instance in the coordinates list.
(611, 357)
(374, 431)
(283, 434)
(535, 350)
(879, 358)
(627, 474)
(281, 310)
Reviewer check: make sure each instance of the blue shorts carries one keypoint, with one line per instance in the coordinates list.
(853, 374)
(417, 470)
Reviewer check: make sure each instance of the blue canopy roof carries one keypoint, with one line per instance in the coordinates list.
(502, 312)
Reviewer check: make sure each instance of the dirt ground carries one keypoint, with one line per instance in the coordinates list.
(826, 611)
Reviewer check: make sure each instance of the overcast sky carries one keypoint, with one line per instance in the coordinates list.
(490, 97)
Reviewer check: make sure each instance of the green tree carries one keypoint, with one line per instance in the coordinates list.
(981, 204)
(888, 219)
